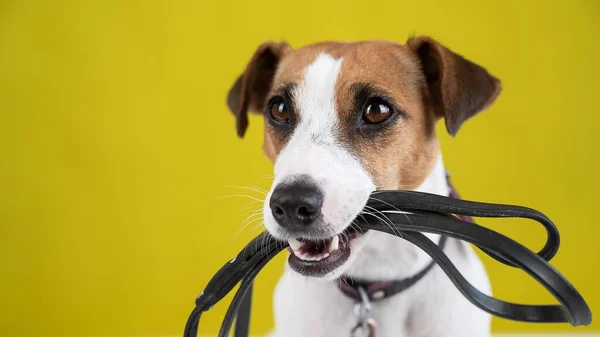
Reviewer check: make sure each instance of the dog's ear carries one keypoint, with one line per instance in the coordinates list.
(459, 88)
(251, 88)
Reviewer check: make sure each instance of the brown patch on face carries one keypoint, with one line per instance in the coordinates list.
(401, 154)
(289, 72)
(400, 157)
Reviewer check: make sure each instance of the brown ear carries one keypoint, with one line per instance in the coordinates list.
(459, 89)
(251, 88)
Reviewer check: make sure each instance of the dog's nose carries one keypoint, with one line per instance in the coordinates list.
(297, 204)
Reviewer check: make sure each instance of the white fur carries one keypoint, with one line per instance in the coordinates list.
(315, 307)
(313, 150)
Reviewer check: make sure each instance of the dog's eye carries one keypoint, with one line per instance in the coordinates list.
(279, 111)
(376, 112)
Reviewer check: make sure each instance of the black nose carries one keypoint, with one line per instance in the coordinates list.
(296, 204)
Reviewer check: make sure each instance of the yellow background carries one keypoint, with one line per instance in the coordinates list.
(116, 147)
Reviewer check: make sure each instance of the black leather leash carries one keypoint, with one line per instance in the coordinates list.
(242, 322)
(429, 213)
(379, 290)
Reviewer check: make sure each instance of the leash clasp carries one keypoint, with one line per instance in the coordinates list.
(364, 321)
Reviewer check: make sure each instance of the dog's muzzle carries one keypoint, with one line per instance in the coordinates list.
(428, 213)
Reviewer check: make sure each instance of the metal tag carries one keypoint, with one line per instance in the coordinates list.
(365, 324)
(369, 329)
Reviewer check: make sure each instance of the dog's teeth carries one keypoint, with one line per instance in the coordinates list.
(307, 257)
(335, 243)
(304, 257)
(295, 244)
(295, 248)
(326, 255)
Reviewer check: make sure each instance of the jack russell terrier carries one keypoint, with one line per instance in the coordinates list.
(341, 121)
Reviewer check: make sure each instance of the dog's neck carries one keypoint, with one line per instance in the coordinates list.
(436, 182)
(386, 257)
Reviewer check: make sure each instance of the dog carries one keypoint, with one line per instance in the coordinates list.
(343, 120)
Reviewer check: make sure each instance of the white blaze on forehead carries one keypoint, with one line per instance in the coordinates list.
(318, 120)
(313, 139)
(316, 96)
(313, 150)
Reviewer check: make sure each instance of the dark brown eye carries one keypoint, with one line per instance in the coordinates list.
(376, 112)
(279, 112)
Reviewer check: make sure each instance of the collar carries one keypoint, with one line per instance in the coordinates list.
(377, 291)
(453, 194)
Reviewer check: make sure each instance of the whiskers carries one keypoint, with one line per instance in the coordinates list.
(381, 217)
(251, 188)
(396, 209)
(239, 195)
(266, 242)
(263, 193)
(255, 218)
(354, 224)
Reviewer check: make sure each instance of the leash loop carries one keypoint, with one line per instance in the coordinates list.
(430, 214)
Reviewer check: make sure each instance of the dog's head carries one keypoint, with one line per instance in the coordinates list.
(343, 120)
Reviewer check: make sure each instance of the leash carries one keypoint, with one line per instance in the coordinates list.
(242, 322)
(377, 291)
(428, 213)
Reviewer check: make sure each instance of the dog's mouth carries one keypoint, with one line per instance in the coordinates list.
(317, 258)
